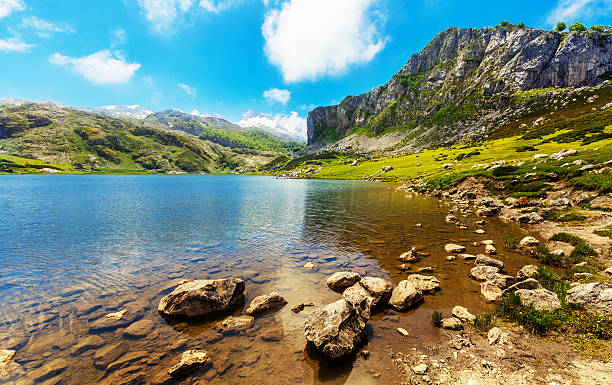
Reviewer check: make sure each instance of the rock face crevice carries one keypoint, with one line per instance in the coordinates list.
(466, 72)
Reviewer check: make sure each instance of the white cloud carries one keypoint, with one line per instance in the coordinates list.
(102, 67)
(275, 95)
(14, 44)
(206, 115)
(308, 39)
(9, 6)
(216, 6)
(191, 91)
(291, 125)
(570, 11)
(46, 28)
(163, 13)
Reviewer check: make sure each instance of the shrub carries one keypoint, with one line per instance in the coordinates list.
(510, 241)
(581, 251)
(560, 26)
(577, 27)
(599, 28)
(505, 23)
(567, 238)
(483, 322)
(436, 318)
(521, 25)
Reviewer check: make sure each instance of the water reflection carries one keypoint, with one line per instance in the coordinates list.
(75, 248)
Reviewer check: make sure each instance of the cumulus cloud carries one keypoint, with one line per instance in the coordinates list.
(46, 28)
(14, 44)
(191, 91)
(163, 13)
(279, 96)
(573, 10)
(102, 67)
(291, 125)
(9, 6)
(308, 39)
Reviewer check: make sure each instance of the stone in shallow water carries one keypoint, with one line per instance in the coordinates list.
(48, 370)
(130, 313)
(482, 273)
(190, 361)
(405, 295)
(139, 329)
(425, 283)
(463, 314)
(236, 324)
(483, 260)
(337, 329)
(452, 323)
(343, 279)
(132, 375)
(490, 291)
(128, 358)
(266, 303)
(203, 297)
(376, 290)
(410, 256)
(453, 248)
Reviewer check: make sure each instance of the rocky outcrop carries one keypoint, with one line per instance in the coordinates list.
(337, 329)
(540, 299)
(203, 297)
(462, 63)
(595, 297)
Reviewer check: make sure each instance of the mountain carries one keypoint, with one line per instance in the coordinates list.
(468, 83)
(223, 132)
(34, 136)
(286, 127)
(134, 111)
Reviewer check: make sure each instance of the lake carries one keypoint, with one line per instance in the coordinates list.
(74, 248)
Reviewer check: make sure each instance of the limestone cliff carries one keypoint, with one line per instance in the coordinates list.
(463, 80)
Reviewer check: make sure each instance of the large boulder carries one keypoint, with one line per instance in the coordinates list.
(266, 303)
(343, 279)
(375, 290)
(483, 260)
(405, 295)
(596, 297)
(337, 329)
(425, 283)
(203, 297)
(540, 299)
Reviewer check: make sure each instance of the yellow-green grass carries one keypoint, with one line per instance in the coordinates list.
(21, 165)
(405, 167)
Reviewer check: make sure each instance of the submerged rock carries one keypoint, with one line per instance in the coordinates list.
(91, 342)
(131, 375)
(595, 297)
(540, 299)
(343, 279)
(110, 353)
(203, 297)
(190, 361)
(129, 314)
(266, 303)
(405, 295)
(236, 324)
(300, 307)
(337, 329)
(139, 329)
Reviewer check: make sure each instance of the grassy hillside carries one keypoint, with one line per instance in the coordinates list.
(72, 140)
(227, 134)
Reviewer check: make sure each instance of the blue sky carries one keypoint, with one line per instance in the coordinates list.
(273, 60)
